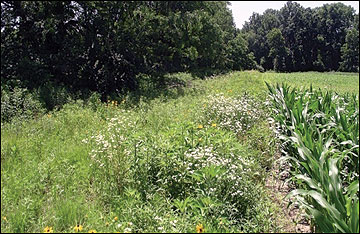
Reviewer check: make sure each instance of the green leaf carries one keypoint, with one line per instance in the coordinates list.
(354, 218)
(353, 188)
(312, 184)
(322, 222)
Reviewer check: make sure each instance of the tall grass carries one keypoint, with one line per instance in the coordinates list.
(168, 161)
(157, 165)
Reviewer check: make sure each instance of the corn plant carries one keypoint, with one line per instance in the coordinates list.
(320, 132)
(311, 113)
(333, 208)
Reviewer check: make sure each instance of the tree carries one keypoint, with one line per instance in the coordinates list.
(255, 32)
(104, 46)
(239, 56)
(278, 50)
(313, 37)
(334, 20)
(350, 52)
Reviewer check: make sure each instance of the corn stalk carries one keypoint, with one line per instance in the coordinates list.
(320, 132)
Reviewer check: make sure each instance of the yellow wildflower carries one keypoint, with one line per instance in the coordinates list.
(200, 126)
(116, 218)
(199, 228)
(4, 218)
(221, 222)
(92, 231)
(78, 228)
(48, 229)
(214, 124)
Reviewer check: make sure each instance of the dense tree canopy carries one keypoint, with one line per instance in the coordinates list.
(103, 46)
(320, 39)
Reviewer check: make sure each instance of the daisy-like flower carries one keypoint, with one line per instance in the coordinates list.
(78, 228)
(48, 229)
(92, 231)
(200, 228)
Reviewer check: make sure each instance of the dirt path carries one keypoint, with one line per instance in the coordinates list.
(291, 219)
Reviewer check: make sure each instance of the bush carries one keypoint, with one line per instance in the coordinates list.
(19, 103)
(94, 101)
(54, 95)
(235, 114)
(260, 68)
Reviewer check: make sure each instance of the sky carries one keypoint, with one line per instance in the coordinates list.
(242, 10)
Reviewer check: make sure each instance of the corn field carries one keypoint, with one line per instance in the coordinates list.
(319, 134)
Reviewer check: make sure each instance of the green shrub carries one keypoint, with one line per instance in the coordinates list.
(260, 68)
(54, 96)
(235, 114)
(19, 103)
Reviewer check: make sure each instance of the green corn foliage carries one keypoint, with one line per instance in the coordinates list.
(333, 208)
(321, 130)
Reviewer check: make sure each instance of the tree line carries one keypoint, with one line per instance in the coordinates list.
(107, 46)
(295, 38)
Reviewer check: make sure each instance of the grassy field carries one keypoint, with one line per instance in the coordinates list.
(335, 81)
(190, 159)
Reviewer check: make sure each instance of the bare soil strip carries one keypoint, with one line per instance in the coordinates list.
(292, 219)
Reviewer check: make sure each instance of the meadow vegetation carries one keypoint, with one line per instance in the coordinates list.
(126, 116)
(191, 157)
